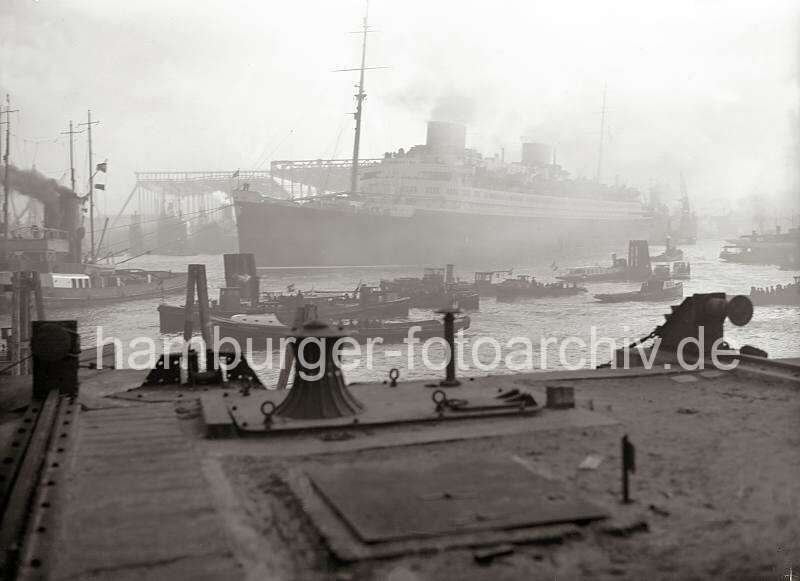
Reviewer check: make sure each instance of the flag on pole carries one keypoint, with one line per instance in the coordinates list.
(103, 167)
(235, 174)
(100, 186)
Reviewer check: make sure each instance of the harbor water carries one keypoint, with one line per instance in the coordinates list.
(773, 328)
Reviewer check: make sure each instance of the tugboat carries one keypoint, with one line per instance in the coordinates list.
(67, 281)
(670, 254)
(636, 268)
(366, 302)
(109, 286)
(525, 286)
(654, 289)
(437, 287)
(486, 281)
(788, 294)
(782, 248)
(54, 247)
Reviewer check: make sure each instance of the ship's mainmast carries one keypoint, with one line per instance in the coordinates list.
(602, 137)
(360, 96)
(92, 173)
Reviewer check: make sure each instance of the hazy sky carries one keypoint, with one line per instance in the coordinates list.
(709, 88)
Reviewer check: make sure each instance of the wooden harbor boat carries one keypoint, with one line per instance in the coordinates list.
(525, 286)
(437, 288)
(636, 267)
(171, 317)
(671, 253)
(652, 290)
(256, 328)
(62, 290)
(487, 281)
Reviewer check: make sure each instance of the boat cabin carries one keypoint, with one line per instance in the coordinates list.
(586, 270)
(433, 274)
(57, 280)
(681, 269)
(661, 271)
(655, 285)
(492, 276)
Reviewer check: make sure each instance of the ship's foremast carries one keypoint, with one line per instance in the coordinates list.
(360, 96)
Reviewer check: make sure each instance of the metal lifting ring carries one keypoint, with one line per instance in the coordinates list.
(441, 400)
(267, 414)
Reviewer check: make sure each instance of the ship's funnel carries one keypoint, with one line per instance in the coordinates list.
(536, 154)
(445, 137)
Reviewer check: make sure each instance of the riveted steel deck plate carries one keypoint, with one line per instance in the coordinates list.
(385, 502)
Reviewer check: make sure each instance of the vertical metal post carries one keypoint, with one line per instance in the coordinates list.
(628, 465)
(449, 336)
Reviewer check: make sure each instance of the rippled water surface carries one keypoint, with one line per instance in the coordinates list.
(775, 329)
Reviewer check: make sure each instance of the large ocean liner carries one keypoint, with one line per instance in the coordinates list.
(442, 202)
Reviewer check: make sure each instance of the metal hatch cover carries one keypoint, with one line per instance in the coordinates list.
(383, 502)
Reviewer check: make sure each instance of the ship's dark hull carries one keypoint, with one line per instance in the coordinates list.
(675, 292)
(285, 234)
(79, 297)
(389, 332)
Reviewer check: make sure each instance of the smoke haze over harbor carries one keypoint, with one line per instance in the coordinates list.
(704, 88)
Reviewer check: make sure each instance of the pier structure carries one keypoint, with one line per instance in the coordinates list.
(308, 177)
(168, 207)
(159, 193)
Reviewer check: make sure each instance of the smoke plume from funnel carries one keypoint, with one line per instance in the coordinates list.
(48, 191)
(453, 107)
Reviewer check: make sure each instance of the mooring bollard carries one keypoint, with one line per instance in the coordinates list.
(319, 389)
(628, 465)
(449, 336)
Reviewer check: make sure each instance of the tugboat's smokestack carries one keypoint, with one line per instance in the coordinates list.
(62, 207)
(70, 221)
